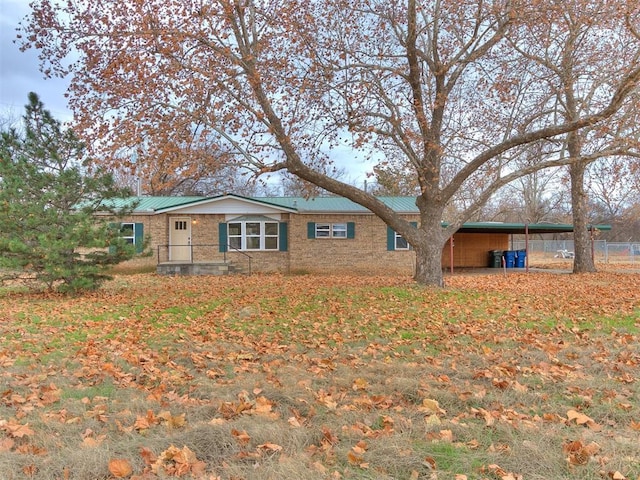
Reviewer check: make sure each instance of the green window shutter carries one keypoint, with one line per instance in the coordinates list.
(415, 224)
(282, 236)
(222, 237)
(311, 230)
(351, 230)
(113, 226)
(391, 239)
(138, 235)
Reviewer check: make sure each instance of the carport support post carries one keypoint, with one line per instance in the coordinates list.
(526, 247)
(451, 253)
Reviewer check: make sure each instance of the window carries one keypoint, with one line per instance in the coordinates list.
(400, 242)
(235, 235)
(331, 230)
(127, 232)
(323, 230)
(395, 241)
(131, 233)
(339, 230)
(180, 225)
(253, 235)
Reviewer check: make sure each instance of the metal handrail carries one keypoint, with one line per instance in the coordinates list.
(191, 245)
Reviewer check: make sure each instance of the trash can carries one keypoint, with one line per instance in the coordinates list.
(521, 255)
(495, 259)
(510, 258)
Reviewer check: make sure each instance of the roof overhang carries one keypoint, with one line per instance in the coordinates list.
(204, 205)
(522, 228)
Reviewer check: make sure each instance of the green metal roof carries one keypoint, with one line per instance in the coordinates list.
(301, 204)
(520, 228)
(151, 204)
(340, 204)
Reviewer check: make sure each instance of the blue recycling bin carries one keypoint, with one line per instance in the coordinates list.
(521, 256)
(510, 258)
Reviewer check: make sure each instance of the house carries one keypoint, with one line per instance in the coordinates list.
(215, 235)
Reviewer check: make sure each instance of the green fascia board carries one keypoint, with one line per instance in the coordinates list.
(521, 228)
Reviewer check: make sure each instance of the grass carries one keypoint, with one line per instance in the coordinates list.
(269, 377)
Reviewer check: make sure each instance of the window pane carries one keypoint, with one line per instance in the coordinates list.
(401, 243)
(323, 230)
(271, 229)
(271, 243)
(235, 229)
(126, 230)
(253, 228)
(235, 242)
(253, 243)
(340, 230)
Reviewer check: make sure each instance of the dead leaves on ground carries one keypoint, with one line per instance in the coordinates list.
(180, 334)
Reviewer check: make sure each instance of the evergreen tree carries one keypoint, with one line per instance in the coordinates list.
(49, 195)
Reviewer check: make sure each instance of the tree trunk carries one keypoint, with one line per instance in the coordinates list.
(583, 261)
(430, 244)
(429, 264)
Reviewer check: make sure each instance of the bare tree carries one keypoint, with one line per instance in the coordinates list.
(283, 84)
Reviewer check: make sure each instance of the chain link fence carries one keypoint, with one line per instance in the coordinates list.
(607, 252)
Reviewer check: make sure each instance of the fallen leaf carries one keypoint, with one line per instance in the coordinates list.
(360, 384)
(431, 406)
(616, 476)
(120, 468)
(273, 447)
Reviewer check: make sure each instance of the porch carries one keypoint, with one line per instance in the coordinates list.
(201, 259)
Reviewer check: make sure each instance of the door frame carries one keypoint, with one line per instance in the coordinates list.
(172, 221)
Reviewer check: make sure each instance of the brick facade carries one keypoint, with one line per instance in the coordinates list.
(367, 252)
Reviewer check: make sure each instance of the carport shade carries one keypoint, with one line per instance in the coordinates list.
(521, 228)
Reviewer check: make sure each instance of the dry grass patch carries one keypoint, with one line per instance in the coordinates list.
(320, 377)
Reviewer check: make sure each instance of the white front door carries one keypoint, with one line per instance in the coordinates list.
(180, 239)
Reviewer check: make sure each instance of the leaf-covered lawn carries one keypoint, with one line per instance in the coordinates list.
(317, 377)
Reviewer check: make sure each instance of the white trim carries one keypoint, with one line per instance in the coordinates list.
(262, 235)
(232, 217)
(228, 204)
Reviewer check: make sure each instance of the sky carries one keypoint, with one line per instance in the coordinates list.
(19, 73)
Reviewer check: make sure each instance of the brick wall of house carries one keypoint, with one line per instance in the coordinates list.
(366, 253)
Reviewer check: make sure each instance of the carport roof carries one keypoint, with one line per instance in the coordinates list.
(521, 228)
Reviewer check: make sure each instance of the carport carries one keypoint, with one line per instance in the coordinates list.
(472, 244)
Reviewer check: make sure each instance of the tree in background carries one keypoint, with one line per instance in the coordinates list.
(287, 85)
(613, 187)
(582, 85)
(48, 200)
